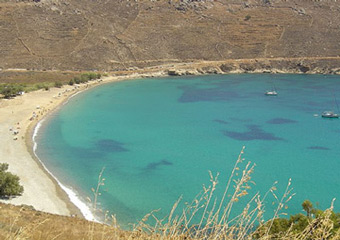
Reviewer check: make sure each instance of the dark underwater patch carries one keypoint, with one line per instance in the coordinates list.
(155, 165)
(318, 148)
(193, 94)
(281, 121)
(240, 119)
(221, 121)
(109, 145)
(254, 133)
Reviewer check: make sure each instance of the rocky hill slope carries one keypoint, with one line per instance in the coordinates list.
(115, 35)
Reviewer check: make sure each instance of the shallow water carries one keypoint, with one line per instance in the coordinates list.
(158, 138)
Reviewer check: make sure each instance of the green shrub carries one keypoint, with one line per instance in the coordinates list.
(84, 78)
(45, 86)
(91, 76)
(298, 223)
(9, 183)
(58, 84)
(77, 80)
(11, 90)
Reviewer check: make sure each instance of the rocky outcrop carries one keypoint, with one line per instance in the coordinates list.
(299, 66)
(185, 5)
(182, 72)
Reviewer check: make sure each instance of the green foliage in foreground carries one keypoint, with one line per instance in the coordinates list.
(9, 183)
(218, 220)
(314, 223)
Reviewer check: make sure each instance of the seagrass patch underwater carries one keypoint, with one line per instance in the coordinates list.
(158, 138)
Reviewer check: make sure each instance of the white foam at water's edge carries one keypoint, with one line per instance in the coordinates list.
(35, 132)
(74, 198)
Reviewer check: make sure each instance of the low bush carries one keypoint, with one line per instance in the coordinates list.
(11, 90)
(9, 183)
(58, 84)
(84, 78)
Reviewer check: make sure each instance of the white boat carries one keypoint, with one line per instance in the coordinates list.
(329, 114)
(271, 93)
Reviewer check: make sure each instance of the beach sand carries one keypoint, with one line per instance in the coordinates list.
(40, 189)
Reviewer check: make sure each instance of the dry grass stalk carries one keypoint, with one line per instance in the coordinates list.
(205, 217)
(214, 217)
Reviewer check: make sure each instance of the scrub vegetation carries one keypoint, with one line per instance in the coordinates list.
(13, 84)
(9, 183)
(84, 78)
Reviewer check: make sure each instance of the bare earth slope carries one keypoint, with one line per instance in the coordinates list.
(111, 35)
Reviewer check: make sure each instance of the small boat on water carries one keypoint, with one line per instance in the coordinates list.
(271, 93)
(329, 114)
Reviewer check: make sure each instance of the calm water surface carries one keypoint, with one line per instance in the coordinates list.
(158, 138)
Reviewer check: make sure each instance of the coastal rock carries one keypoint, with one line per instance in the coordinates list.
(260, 66)
(211, 70)
(303, 68)
(336, 71)
(247, 67)
(182, 72)
(192, 72)
(174, 72)
(226, 68)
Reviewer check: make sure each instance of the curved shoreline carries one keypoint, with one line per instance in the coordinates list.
(73, 197)
(42, 190)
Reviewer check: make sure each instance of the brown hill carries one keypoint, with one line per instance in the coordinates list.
(111, 35)
(25, 223)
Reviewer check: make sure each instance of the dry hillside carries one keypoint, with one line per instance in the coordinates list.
(118, 34)
(25, 223)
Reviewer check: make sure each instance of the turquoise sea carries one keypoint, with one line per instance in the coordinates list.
(158, 138)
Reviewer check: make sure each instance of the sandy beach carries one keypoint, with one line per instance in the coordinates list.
(22, 114)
